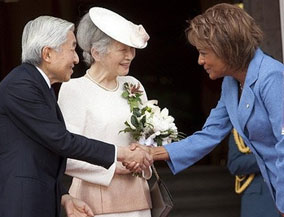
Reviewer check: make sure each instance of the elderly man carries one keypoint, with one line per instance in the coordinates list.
(34, 142)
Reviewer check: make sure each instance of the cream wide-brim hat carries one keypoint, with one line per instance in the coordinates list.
(118, 28)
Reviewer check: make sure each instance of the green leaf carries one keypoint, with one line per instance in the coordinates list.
(164, 135)
(159, 141)
(125, 94)
(143, 121)
(136, 112)
(127, 124)
(134, 121)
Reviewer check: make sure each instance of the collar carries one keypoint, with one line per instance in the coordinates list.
(253, 69)
(44, 76)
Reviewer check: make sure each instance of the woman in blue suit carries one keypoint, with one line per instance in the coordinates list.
(228, 40)
(256, 199)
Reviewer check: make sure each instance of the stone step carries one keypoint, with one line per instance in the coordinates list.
(199, 191)
(202, 191)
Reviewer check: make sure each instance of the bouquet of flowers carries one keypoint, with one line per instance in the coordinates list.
(148, 124)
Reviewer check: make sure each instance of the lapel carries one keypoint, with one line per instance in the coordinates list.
(51, 101)
(240, 110)
(231, 99)
(246, 103)
(59, 114)
(47, 92)
(245, 107)
(54, 103)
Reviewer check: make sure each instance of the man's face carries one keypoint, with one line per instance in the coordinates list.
(63, 60)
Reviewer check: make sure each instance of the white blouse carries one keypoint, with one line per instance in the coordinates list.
(96, 113)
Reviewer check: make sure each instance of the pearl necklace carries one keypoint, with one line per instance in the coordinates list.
(101, 86)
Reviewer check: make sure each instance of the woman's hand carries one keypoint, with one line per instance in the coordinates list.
(121, 170)
(134, 166)
(75, 207)
(137, 155)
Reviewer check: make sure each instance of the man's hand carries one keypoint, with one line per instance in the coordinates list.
(133, 146)
(138, 158)
(75, 207)
(157, 153)
(134, 166)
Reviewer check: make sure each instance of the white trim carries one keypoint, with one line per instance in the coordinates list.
(281, 6)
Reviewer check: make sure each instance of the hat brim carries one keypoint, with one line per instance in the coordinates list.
(119, 28)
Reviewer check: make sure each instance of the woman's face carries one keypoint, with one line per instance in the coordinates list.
(214, 66)
(118, 59)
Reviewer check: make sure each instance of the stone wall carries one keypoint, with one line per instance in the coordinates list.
(267, 15)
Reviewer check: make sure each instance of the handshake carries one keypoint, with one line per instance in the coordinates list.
(136, 157)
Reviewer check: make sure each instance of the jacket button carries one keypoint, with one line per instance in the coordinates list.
(247, 105)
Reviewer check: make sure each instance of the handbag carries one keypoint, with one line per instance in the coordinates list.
(162, 202)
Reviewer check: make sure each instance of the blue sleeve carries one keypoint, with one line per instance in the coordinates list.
(191, 149)
(273, 92)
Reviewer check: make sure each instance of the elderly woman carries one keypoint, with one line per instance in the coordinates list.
(93, 106)
(228, 40)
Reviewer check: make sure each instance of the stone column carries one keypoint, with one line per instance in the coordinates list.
(281, 4)
(267, 15)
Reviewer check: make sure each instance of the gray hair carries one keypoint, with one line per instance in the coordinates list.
(89, 37)
(41, 32)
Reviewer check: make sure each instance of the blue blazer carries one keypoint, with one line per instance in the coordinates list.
(34, 145)
(257, 117)
(256, 198)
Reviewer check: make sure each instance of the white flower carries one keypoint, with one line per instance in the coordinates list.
(148, 142)
(151, 103)
(156, 126)
(161, 121)
(165, 112)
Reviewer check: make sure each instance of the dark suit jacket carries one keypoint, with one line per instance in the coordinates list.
(34, 145)
(256, 199)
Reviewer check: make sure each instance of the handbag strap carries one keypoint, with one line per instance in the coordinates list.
(156, 173)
